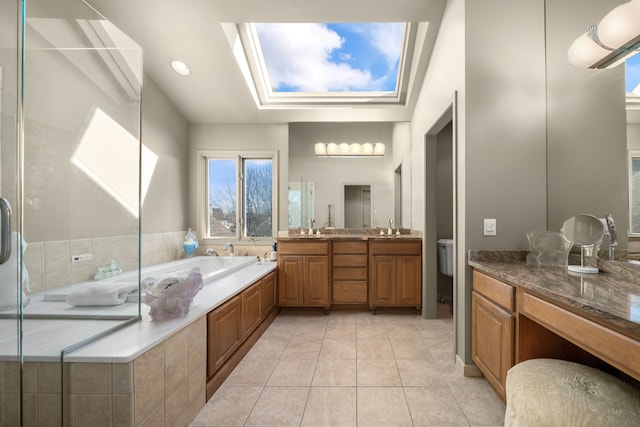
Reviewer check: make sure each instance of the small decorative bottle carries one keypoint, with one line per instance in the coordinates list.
(190, 243)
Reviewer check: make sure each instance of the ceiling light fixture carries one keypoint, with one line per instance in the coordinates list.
(610, 42)
(180, 67)
(349, 150)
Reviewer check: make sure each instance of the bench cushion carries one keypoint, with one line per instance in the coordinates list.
(549, 392)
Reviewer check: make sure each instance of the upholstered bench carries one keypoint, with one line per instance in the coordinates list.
(549, 392)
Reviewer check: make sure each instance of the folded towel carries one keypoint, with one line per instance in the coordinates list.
(101, 294)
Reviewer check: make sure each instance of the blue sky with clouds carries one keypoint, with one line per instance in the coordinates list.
(316, 57)
(633, 74)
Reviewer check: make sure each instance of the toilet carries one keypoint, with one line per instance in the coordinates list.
(445, 256)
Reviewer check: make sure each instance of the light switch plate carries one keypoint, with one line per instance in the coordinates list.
(489, 226)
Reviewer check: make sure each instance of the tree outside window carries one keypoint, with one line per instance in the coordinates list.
(240, 197)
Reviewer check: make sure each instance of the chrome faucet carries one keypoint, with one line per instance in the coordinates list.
(210, 251)
(230, 247)
(389, 224)
(613, 237)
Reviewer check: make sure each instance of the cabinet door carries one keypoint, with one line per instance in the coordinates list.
(290, 279)
(316, 280)
(409, 280)
(224, 330)
(383, 280)
(251, 309)
(268, 294)
(492, 340)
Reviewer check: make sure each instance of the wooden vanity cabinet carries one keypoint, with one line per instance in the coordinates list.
(251, 309)
(235, 326)
(225, 334)
(303, 273)
(268, 295)
(349, 272)
(493, 329)
(395, 273)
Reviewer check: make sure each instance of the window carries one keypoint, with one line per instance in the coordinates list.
(317, 63)
(240, 198)
(634, 192)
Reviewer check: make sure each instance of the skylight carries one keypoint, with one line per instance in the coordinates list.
(332, 57)
(326, 63)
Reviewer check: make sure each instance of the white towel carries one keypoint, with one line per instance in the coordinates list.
(101, 294)
(9, 275)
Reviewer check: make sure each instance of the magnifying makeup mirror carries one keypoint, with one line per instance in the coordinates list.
(585, 232)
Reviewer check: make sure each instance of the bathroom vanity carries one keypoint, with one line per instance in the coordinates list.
(521, 312)
(356, 270)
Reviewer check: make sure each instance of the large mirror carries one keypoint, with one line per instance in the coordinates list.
(593, 121)
(339, 198)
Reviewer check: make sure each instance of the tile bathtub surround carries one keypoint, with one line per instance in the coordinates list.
(50, 267)
(353, 369)
(164, 386)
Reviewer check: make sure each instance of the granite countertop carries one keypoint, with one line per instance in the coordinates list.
(607, 298)
(349, 234)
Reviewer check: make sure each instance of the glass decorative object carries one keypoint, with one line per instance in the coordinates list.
(190, 243)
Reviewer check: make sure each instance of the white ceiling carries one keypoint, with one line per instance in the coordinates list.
(216, 91)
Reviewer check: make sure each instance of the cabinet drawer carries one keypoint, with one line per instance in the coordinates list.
(303, 247)
(350, 292)
(350, 247)
(395, 247)
(497, 291)
(349, 260)
(350, 273)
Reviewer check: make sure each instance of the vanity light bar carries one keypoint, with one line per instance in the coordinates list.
(610, 42)
(349, 150)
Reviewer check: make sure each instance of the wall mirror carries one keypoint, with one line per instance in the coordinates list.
(590, 132)
(585, 232)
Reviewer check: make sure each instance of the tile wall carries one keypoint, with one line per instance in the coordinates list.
(49, 263)
(163, 387)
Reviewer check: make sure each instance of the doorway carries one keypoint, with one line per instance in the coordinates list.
(440, 190)
(397, 199)
(357, 206)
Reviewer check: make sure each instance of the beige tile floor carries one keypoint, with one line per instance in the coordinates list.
(353, 369)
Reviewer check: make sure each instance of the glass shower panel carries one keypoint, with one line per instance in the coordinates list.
(71, 169)
(82, 153)
(10, 357)
(301, 203)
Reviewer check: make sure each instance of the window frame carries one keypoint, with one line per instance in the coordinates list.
(202, 202)
(633, 154)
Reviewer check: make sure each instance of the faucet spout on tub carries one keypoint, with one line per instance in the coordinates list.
(211, 251)
(230, 247)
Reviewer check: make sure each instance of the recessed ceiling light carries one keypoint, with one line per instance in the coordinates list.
(180, 67)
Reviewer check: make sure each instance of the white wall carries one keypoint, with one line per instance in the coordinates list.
(587, 142)
(444, 82)
(633, 136)
(329, 175)
(257, 137)
(496, 66)
(401, 134)
(505, 146)
(165, 132)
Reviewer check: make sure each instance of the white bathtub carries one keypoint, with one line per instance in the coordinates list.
(211, 267)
